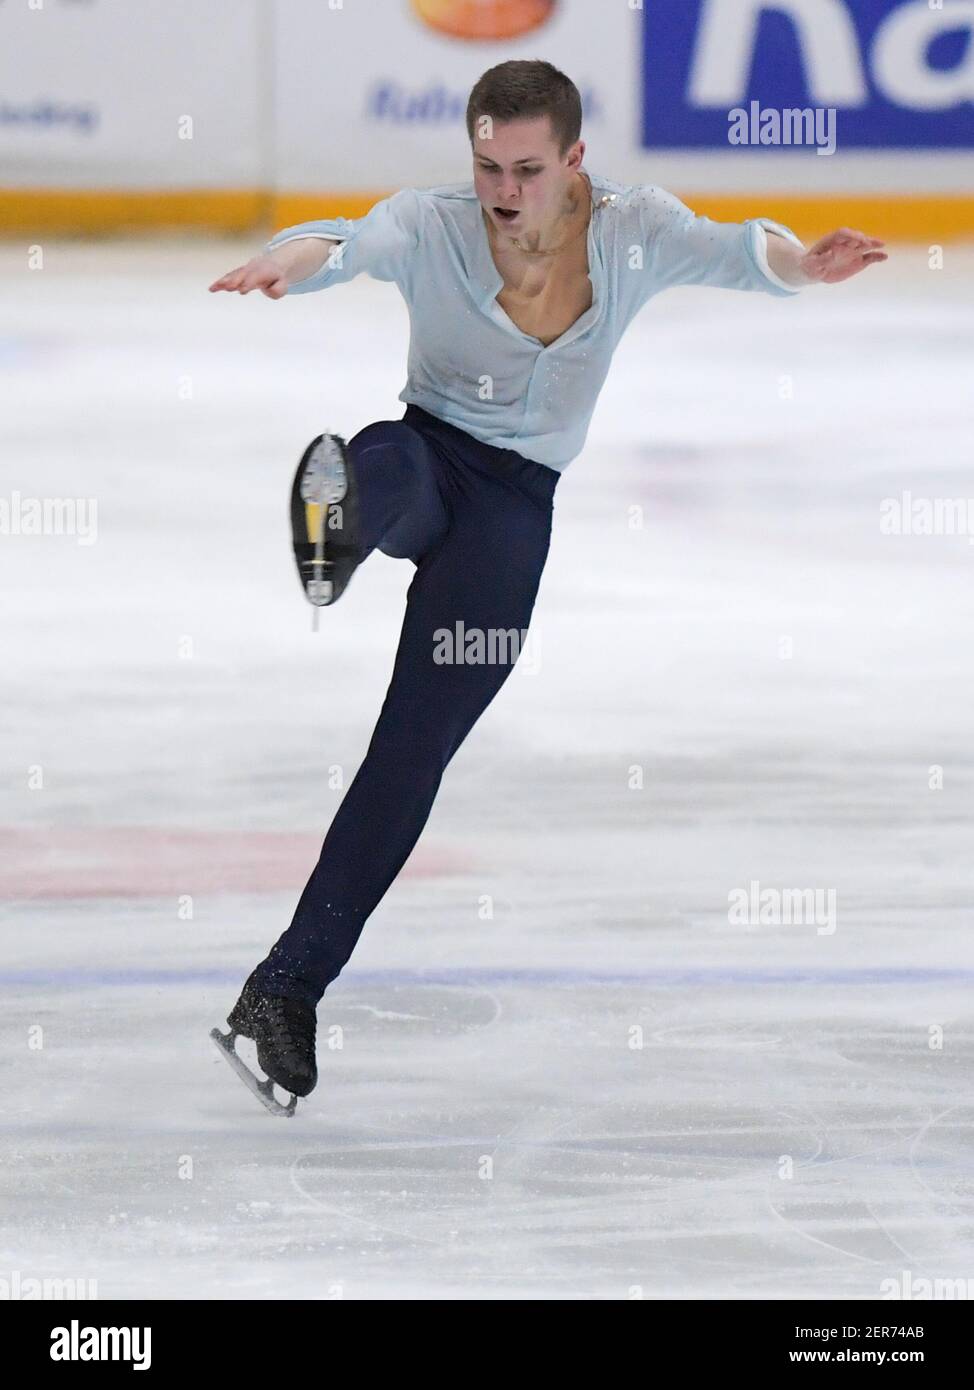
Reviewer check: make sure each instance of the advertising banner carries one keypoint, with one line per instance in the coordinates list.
(132, 94)
(897, 74)
(239, 109)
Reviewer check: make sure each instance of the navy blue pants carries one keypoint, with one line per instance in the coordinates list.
(476, 522)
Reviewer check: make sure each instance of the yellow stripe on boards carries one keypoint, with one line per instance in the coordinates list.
(891, 218)
(926, 218)
(67, 211)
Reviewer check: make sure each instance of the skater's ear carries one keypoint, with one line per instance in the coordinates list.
(575, 156)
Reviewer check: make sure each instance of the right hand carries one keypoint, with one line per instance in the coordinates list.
(261, 273)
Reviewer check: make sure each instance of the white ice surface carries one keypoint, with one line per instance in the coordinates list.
(506, 1038)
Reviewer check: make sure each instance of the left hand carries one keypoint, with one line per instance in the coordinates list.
(840, 255)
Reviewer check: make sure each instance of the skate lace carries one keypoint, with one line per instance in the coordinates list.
(290, 1018)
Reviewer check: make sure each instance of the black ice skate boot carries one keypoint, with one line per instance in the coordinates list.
(325, 520)
(284, 1031)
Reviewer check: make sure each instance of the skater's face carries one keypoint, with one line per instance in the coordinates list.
(520, 175)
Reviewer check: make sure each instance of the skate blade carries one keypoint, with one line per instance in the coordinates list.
(319, 592)
(314, 520)
(263, 1090)
(325, 479)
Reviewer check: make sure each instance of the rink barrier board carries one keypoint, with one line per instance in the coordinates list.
(52, 212)
(69, 211)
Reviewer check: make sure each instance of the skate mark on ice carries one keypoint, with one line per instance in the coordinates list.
(708, 1035)
(388, 1015)
(368, 1223)
(446, 1010)
(918, 1140)
(824, 1198)
(534, 1133)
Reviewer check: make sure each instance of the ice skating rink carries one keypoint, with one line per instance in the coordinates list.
(564, 1071)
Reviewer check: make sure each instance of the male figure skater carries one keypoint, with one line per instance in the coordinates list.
(519, 287)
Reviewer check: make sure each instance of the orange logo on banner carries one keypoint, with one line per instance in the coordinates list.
(484, 19)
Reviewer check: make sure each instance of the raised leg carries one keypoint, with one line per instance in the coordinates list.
(484, 576)
(401, 510)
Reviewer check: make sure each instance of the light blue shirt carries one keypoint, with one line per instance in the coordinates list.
(469, 364)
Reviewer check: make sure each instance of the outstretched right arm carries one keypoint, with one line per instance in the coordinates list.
(273, 272)
(314, 255)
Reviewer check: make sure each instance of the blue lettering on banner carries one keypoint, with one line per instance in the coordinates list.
(435, 104)
(49, 114)
(390, 101)
(899, 73)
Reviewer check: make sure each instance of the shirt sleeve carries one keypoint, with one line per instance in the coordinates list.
(380, 244)
(681, 248)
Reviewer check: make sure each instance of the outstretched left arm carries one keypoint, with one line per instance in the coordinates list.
(838, 256)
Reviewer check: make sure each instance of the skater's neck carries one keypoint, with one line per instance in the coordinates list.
(560, 227)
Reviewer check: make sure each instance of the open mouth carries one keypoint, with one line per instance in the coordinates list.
(506, 214)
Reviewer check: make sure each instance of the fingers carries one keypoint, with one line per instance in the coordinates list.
(846, 239)
(858, 256)
(254, 278)
(853, 238)
(229, 281)
(843, 254)
(846, 270)
(245, 278)
(277, 289)
(233, 280)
